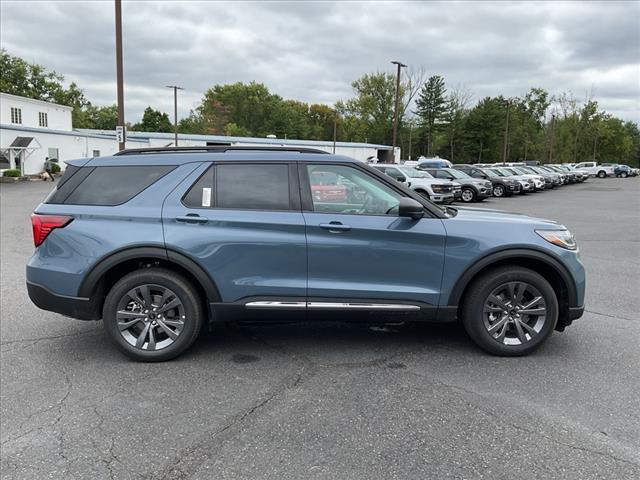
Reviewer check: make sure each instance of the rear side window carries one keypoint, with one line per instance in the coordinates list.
(109, 186)
(200, 195)
(253, 187)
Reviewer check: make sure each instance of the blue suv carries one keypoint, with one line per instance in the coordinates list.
(158, 242)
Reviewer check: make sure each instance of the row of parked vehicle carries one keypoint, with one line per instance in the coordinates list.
(443, 182)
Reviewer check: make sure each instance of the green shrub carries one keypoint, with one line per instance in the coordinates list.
(11, 173)
(55, 168)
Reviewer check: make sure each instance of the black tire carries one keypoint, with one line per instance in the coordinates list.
(602, 174)
(499, 191)
(423, 193)
(624, 175)
(478, 293)
(470, 193)
(184, 291)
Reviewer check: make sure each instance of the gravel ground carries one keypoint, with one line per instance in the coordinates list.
(331, 400)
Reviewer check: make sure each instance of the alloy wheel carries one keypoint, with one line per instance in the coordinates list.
(467, 195)
(514, 313)
(150, 317)
(498, 191)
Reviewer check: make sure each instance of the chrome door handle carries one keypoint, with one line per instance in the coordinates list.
(335, 227)
(192, 218)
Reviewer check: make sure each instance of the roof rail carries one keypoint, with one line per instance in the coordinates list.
(216, 149)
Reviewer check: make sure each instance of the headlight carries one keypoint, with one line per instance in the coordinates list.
(560, 238)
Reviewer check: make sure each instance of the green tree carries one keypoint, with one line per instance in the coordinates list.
(370, 112)
(100, 118)
(153, 121)
(431, 107)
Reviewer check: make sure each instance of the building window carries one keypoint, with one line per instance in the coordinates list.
(43, 121)
(16, 115)
(53, 153)
(96, 153)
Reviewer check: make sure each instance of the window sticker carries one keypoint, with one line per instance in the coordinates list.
(206, 197)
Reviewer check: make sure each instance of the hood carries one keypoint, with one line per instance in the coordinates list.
(519, 177)
(498, 216)
(429, 181)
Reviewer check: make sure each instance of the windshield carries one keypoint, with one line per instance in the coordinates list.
(526, 169)
(504, 172)
(491, 173)
(413, 173)
(457, 173)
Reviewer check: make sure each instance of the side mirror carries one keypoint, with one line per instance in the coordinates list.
(401, 179)
(408, 207)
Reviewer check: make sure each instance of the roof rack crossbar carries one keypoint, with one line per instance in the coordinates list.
(215, 148)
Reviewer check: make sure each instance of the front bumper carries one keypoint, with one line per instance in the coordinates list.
(484, 192)
(74, 307)
(442, 197)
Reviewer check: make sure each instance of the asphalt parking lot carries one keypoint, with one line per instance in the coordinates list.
(333, 400)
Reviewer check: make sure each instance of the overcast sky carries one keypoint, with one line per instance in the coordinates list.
(313, 51)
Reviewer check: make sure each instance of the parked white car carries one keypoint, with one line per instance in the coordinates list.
(439, 191)
(538, 180)
(593, 169)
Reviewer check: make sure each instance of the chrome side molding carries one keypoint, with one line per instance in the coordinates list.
(331, 306)
(270, 304)
(360, 306)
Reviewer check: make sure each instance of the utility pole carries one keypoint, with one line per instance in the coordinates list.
(397, 108)
(506, 135)
(410, 131)
(553, 118)
(175, 112)
(119, 74)
(335, 132)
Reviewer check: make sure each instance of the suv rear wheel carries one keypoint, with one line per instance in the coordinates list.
(153, 314)
(510, 311)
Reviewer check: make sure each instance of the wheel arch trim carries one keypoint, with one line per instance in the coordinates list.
(91, 280)
(512, 254)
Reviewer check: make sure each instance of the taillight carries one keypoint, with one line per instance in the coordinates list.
(44, 224)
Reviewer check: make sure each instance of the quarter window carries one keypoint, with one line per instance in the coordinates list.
(253, 186)
(111, 186)
(16, 115)
(200, 195)
(347, 190)
(43, 120)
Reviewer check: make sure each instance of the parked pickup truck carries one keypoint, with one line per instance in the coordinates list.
(594, 169)
(436, 190)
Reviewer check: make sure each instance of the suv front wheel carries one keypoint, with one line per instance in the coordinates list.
(510, 311)
(153, 314)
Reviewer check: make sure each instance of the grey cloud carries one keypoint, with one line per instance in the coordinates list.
(313, 50)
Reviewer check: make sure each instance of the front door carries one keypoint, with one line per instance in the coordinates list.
(360, 252)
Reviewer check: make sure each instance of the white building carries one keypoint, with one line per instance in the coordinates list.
(32, 130)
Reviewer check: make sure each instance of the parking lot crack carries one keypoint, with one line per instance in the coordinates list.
(516, 426)
(617, 317)
(189, 459)
(29, 342)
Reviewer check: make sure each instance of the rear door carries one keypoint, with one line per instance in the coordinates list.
(242, 223)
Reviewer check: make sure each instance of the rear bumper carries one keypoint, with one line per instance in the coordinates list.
(74, 307)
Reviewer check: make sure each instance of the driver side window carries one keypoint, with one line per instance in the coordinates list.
(347, 190)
